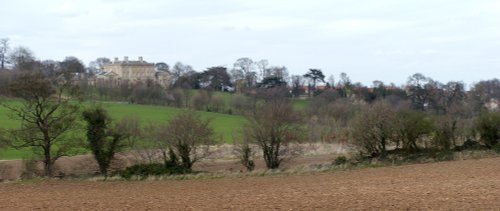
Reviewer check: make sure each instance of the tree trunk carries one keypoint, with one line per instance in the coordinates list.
(47, 161)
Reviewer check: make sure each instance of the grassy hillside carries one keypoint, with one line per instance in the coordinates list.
(224, 125)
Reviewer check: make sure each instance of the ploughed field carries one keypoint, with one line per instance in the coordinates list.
(468, 184)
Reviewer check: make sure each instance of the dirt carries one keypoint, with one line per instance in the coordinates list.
(455, 185)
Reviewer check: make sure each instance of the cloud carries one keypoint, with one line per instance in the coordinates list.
(363, 38)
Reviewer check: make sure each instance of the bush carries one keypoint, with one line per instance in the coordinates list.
(412, 126)
(470, 145)
(340, 160)
(488, 127)
(373, 129)
(150, 169)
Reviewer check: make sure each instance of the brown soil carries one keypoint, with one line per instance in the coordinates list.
(456, 185)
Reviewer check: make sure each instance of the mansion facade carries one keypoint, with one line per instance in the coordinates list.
(133, 71)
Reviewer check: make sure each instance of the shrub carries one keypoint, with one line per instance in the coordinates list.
(340, 160)
(488, 127)
(201, 101)
(445, 134)
(470, 145)
(103, 140)
(412, 126)
(373, 129)
(150, 169)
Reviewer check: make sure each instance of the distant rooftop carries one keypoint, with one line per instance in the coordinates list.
(125, 60)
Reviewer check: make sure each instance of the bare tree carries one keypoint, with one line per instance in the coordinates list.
(262, 66)
(297, 85)
(96, 65)
(274, 127)
(50, 68)
(245, 67)
(4, 48)
(46, 113)
(201, 100)
(179, 70)
(130, 126)
(188, 135)
(245, 152)
(331, 81)
(278, 72)
(217, 103)
(374, 128)
(22, 58)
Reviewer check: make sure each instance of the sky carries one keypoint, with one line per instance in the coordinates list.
(386, 40)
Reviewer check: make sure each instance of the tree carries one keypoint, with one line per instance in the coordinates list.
(4, 48)
(488, 127)
(188, 80)
(245, 152)
(446, 132)
(484, 92)
(297, 85)
(50, 68)
(280, 73)
(217, 103)
(46, 113)
(179, 70)
(262, 66)
(188, 135)
(374, 128)
(315, 75)
(273, 127)
(418, 89)
(345, 85)
(130, 126)
(215, 78)
(103, 140)
(271, 82)
(201, 100)
(162, 66)
(71, 65)
(243, 67)
(446, 98)
(22, 58)
(96, 65)
(331, 81)
(412, 125)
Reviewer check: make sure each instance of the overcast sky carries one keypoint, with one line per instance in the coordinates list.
(386, 40)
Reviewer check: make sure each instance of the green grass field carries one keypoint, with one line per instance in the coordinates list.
(224, 125)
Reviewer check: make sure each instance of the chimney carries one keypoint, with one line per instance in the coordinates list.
(140, 59)
(116, 60)
(125, 59)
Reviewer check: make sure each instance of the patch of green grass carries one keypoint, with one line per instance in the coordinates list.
(223, 124)
(9, 154)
